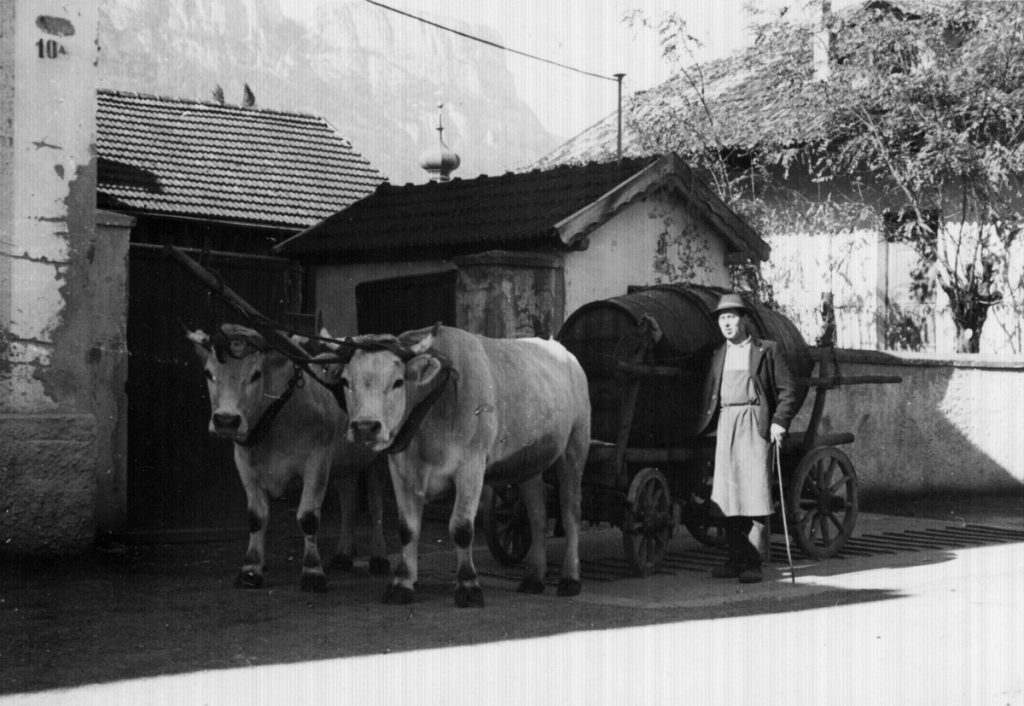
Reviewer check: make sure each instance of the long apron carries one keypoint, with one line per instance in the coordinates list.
(741, 483)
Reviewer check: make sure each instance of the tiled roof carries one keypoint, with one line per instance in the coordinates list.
(488, 211)
(749, 108)
(559, 206)
(760, 99)
(225, 162)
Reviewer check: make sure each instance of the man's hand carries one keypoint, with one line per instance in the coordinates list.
(777, 433)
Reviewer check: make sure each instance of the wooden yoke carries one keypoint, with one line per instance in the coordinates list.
(256, 320)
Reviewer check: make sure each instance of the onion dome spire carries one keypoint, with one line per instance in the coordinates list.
(440, 161)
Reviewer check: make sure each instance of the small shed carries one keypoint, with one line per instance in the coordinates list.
(226, 183)
(512, 255)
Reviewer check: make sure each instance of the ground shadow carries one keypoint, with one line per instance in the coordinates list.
(171, 608)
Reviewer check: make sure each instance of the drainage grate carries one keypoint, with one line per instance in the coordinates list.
(702, 558)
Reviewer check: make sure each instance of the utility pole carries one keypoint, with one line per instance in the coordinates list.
(619, 77)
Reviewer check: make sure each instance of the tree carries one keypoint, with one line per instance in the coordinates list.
(921, 116)
(931, 106)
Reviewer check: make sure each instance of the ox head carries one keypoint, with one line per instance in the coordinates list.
(383, 377)
(243, 376)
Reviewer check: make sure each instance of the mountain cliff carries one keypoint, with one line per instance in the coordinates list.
(376, 76)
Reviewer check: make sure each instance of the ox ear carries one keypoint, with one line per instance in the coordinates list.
(422, 369)
(201, 341)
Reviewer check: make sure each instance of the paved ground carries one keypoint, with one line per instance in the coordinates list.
(170, 610)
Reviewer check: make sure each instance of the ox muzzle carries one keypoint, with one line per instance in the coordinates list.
(366, 432)
(225, 424)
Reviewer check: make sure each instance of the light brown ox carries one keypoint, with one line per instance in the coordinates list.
(505, 411)
(286, 426)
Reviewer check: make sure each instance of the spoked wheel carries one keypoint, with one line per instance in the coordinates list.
(648, 521)
(507, 528)
(823, 502)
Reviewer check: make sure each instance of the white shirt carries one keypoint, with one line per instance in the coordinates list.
(737, 355)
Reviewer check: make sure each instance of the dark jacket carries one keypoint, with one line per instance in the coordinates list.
(776, 391)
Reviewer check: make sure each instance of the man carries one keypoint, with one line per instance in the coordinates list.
(752, 392)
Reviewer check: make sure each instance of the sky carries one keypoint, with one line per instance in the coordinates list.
(591, 35)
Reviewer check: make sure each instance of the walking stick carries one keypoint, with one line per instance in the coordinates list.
(782, 502)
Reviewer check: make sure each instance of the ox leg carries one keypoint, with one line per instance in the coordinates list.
(348, 496)
(532, 493)
(569, 470)
(348, 500)
(375, 482)
(402, 587)
(258, 511)
(314, 487)
(468, 486)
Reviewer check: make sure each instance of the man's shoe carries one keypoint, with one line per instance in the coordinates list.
(728, 570)
(751, 573)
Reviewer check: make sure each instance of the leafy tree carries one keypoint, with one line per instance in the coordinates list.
(931, 105)
(918, 128)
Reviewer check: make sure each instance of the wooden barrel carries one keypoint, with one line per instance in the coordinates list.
(603, 333)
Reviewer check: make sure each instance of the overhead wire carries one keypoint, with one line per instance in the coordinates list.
(489, 42)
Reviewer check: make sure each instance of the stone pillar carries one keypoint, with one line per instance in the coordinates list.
(51, 323)
(510, 295)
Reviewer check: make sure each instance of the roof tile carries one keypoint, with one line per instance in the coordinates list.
(186, 157)
(513, 207)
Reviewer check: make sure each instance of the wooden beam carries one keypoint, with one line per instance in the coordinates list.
(217, 286)
(843, 380)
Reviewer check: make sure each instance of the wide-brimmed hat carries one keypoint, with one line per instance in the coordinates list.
(730, 302)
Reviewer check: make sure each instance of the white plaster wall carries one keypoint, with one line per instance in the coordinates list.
(336, 287)
(61, 289)
(622, 252)
(950, 425)
(804, 266)
(53, 123)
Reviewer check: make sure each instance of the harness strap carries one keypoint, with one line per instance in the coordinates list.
(262, 428)
(415, 418)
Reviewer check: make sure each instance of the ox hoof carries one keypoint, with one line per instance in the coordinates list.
(569, 587)
(380, 566)
(531, 585)
(315, 583)
(248, 579)
(342, 562)
(398, 595)
(469, 596)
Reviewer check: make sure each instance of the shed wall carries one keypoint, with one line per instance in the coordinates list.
(951, 425)
(652, 241)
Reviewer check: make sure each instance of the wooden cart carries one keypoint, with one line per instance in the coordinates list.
(649, 490)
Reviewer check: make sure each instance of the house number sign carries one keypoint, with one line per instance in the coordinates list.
(54, 26)
(50, 49)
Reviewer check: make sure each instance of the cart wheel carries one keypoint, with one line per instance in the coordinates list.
(507, 527)
(823, 502)
(648, 521)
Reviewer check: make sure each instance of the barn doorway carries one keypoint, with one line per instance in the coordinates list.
(404, 303)
(181, 484)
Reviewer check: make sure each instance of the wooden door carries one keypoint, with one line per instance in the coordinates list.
(181, 483)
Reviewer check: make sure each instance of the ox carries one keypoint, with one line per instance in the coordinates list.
(455, 409)
(286, 427)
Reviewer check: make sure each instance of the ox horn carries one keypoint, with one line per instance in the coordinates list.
(341, 350)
